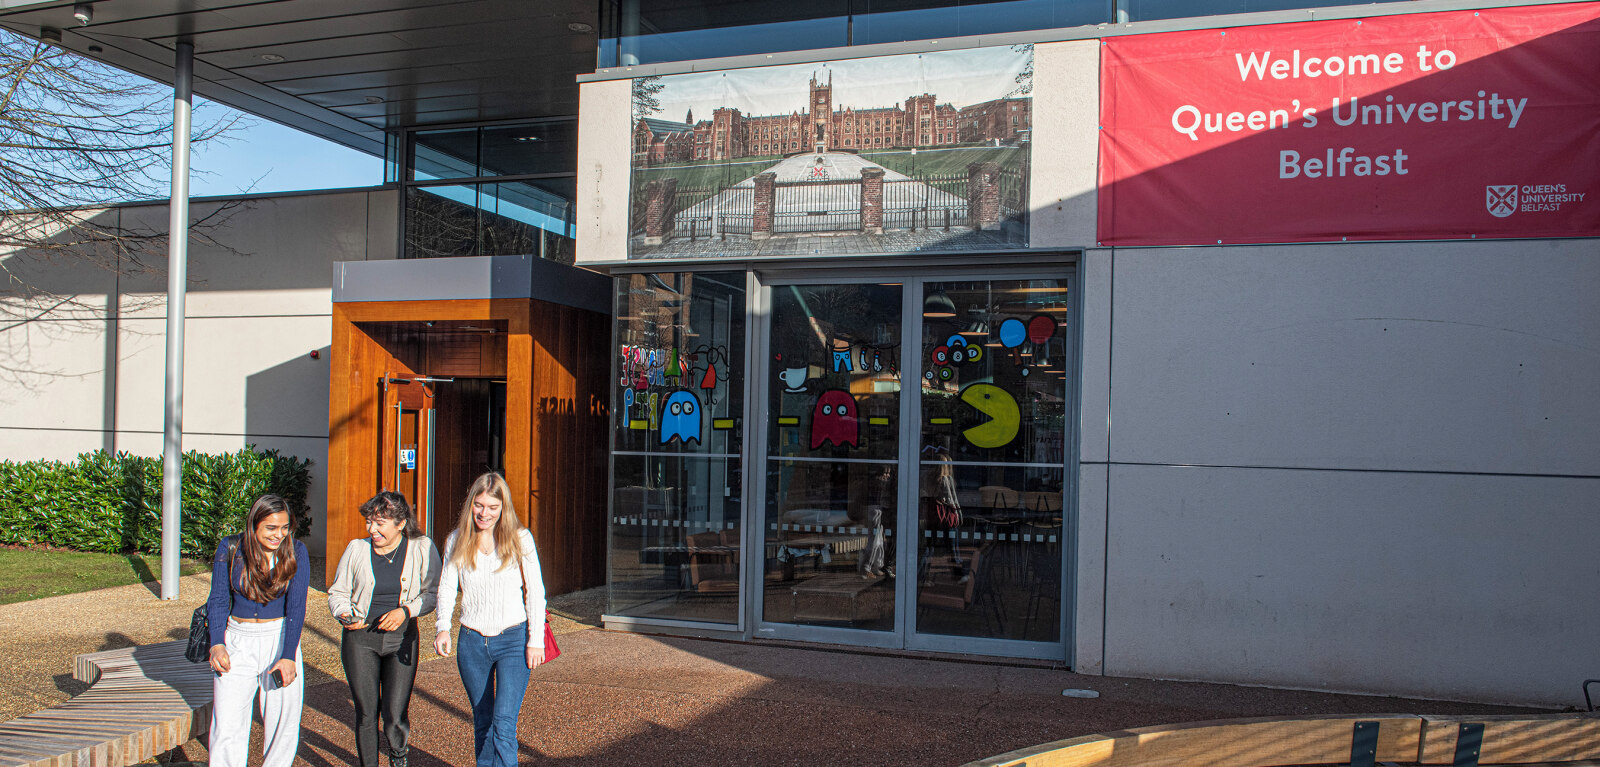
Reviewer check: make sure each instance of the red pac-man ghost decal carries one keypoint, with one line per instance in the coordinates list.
(834, 420)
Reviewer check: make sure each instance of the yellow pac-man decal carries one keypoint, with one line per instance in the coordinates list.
(1004, 416)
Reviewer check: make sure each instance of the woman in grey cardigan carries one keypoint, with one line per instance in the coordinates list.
(383, 585)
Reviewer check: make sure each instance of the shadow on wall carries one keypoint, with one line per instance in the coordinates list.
(286, 409)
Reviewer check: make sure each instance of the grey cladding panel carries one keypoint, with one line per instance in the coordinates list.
(445, 279)
(1444, 586)
(1470, 357)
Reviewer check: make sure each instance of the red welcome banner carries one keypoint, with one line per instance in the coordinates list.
(1460, 124)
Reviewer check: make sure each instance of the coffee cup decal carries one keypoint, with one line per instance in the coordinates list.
(794, 379)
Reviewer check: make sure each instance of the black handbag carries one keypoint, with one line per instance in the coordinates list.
(199, 649)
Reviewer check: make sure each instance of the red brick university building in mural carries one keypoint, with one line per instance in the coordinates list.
(920, 122)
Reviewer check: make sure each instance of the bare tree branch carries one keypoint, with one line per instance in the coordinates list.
(77, 136)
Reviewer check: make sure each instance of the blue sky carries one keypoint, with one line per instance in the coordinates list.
(961, 77)
(275, 158)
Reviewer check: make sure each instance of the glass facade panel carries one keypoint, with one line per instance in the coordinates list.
(991, 478)
(1146, 10)
(545, 147)
(444, 154)
(528, 218)
(889, 21)
(653, 31)
(679, 407)
(677, 30)
(512, 216)
(833, 410)
(441, 221)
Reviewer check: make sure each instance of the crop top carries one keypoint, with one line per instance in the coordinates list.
(225, 600)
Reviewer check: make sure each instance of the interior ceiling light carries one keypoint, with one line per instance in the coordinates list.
(938, 305)
(373, 99)
(527, 138)
(271, 58)
(84, 13)
(580, 27)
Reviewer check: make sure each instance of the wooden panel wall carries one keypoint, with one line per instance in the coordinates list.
(555, 361)
(571, 361)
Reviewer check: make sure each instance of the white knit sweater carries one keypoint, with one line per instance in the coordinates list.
(492, 599)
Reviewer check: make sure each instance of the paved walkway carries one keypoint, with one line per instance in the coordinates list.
(628, 699)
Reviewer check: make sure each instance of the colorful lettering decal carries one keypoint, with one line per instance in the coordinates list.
(682, 418)
(1004, 416)
(834, 420)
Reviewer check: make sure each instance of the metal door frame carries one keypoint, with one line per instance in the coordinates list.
(904, 634)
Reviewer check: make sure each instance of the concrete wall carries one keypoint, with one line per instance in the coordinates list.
(605, 159)
(88, 374)
(1353, 467)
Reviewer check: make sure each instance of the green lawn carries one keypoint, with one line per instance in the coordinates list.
(692, 175)
(943, 162)
(31, 574)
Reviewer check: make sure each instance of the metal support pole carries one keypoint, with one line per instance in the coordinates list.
(177, 285)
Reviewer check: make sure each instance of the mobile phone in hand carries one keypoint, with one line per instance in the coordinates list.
(277, 677)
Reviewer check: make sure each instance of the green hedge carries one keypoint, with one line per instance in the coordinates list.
(112, 502)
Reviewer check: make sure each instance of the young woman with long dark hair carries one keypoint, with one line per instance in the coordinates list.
(383, 584)
(492, 559)
(256, 610)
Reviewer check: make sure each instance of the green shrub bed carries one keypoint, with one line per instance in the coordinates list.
(111, 502)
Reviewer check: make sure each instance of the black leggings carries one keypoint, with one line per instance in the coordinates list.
(380, 667)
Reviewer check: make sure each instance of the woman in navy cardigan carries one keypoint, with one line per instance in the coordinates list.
(256, 611)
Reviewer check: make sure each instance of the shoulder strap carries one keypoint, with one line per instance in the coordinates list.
(520, 571)
(524, 573)
(233, 551)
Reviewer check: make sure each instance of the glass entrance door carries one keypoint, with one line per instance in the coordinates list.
(992, 483)
(915, 449)
(832, 423)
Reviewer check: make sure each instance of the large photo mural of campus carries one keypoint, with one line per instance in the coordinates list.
(918, 152)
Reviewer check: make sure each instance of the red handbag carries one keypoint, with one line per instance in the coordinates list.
(551, 651)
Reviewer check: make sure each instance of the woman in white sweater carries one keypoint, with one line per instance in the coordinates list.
(492, 559)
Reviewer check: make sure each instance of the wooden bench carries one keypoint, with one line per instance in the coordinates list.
(1401, 738)
(142, 701)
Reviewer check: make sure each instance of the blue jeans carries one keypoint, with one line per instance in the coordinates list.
(495, 672)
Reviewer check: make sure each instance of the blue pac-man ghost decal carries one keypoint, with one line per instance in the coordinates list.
(680, 418)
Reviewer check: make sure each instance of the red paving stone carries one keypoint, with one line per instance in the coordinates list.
(629, 699)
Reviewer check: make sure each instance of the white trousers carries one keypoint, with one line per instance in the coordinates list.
(252, 649)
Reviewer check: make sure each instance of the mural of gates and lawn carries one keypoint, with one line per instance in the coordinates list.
(919, 152)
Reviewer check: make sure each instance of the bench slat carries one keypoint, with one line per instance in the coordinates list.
(141, 701)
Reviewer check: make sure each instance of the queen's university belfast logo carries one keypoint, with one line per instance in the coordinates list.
(1500, 200)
